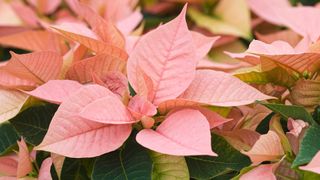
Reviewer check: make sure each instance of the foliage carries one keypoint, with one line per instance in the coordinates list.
(159, 89)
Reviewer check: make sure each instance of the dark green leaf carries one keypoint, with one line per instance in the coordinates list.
(263, 127)
(207, 167)
(316, 114)
(33, 123)
(286, 111)
(309, 146)
(8, 137)
(130, 162)
(41, 156)
(309, 2)
(73, 169)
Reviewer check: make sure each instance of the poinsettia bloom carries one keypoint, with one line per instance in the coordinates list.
(97, 110)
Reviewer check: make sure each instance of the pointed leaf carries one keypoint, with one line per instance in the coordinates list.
(108, 110)
(115, 81)
(168, 105)
(12, 102)
(175, 135)
(44, 172)
(33, 40)
(289, 111)
(38, 67)
(308, 148)
(206, 167)
(8, 137)
(128, 163)
(203, 44)
(55, 91)
(139, 107)
(168, 167)
(298, 62)
(104, 28)
(73, 136)
(24, 161)
(89, 39)
(314, 165)
(267, 10)
(100, 65)
(267, 148)
(221, 89)
(33, 123)
(58, 162)
(168, 62)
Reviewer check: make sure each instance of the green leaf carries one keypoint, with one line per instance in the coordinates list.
(307, 175)
(168, 167)
(316, 114)
(33, 123)
(309, 146)
(73, 169)
(207, 167)
(8, 137)
(277, 76)
(127, 163)
(286, 111)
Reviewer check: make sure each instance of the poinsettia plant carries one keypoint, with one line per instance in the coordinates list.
(136, 90)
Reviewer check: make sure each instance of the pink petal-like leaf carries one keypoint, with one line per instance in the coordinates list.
(139, 106)
(167, 106)
(115, 81)
(38, 67)
(100, 65)
(144, 86)
(127, 25)
(221, 89)
(73, 136)
(33, 40)
(170, 61)
(213, 118)
(264, 171)
(104, 28)
(203, 44)
(44, 172)
(267, 148)
(55, 91)
(105, 107)
(8, 166)
(268, 11)
(314, 164)
(87, 38)
(58, 161)
(176, 135)
(24, 162)
(11, 103)
(241, 139)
